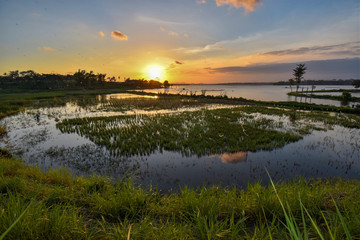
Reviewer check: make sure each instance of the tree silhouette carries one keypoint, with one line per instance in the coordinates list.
(356, 83)
(166, 84)
(298, 73)
(291, 83)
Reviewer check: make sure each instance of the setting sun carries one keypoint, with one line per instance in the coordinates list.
(155, 72)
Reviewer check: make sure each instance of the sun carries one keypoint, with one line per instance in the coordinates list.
(155, 72)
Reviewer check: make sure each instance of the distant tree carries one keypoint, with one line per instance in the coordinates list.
(298, 73)
(166, 84)
(14, 74)
(291, 83)
(356, 83)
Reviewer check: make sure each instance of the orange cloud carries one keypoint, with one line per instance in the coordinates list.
(249, 5)
(48, 48)
(101, 34)
(119, 35)
(201, 1)
(186, 35)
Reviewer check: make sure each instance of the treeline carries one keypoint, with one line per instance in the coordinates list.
(323, 82)
(79, 80)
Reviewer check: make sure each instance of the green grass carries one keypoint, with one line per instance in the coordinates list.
(330, 97)
(204, 132)
(200, 132)
(57, 205)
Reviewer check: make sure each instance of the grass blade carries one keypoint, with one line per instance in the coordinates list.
(14, 223)
(347, 232)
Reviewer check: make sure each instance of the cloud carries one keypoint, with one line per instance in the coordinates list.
(46, 48)
(186, 35)
(101, 34)
(351, 48)
(330, 67)
(119, 35)
(174, 64)
(175, 34)
(249, 5)
(201, 1)
(36, 15)
(162, 29)
(157, 21)
(220, 45)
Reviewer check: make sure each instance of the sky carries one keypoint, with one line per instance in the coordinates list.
(187, 41)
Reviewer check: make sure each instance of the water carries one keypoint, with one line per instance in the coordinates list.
(255, 92)
(331, 153)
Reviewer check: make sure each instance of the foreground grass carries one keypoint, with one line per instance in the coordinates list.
(60, 206)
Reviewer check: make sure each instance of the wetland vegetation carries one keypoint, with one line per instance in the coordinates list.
(57, 204)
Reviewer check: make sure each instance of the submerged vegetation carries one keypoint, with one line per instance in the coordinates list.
(60, 206)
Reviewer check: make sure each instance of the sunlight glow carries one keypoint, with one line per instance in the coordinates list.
(155, 72)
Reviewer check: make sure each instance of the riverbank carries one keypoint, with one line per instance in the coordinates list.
(57, 205)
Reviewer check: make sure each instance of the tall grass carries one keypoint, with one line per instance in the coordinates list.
(67, 207)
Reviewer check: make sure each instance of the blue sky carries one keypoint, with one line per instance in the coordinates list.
(186, 41)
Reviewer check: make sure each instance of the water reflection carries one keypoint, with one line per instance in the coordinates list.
(255, 92)
(123, 96)
(329, 153)
(233, 157)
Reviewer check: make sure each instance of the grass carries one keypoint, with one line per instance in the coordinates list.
(67, 207)
(16, 100)
(204, 132)
(57, 205)
(331, 97)
(3, 130)
(200, 132)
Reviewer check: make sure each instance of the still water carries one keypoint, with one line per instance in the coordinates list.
(331, 153)
(255, 92)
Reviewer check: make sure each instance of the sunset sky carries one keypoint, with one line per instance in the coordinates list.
(188, 41)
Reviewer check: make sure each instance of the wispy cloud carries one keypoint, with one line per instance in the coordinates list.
(119, 35)
(249, 5)
(174, 34)
(157, 21)
(201, 1)
(351, 48)
(220, 45)
(101, 34)
(36, 15)
(331, 66)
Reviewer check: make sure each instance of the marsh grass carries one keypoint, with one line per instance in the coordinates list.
(200, 132)
(61, 206)
(3, 130)
(204, 132)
